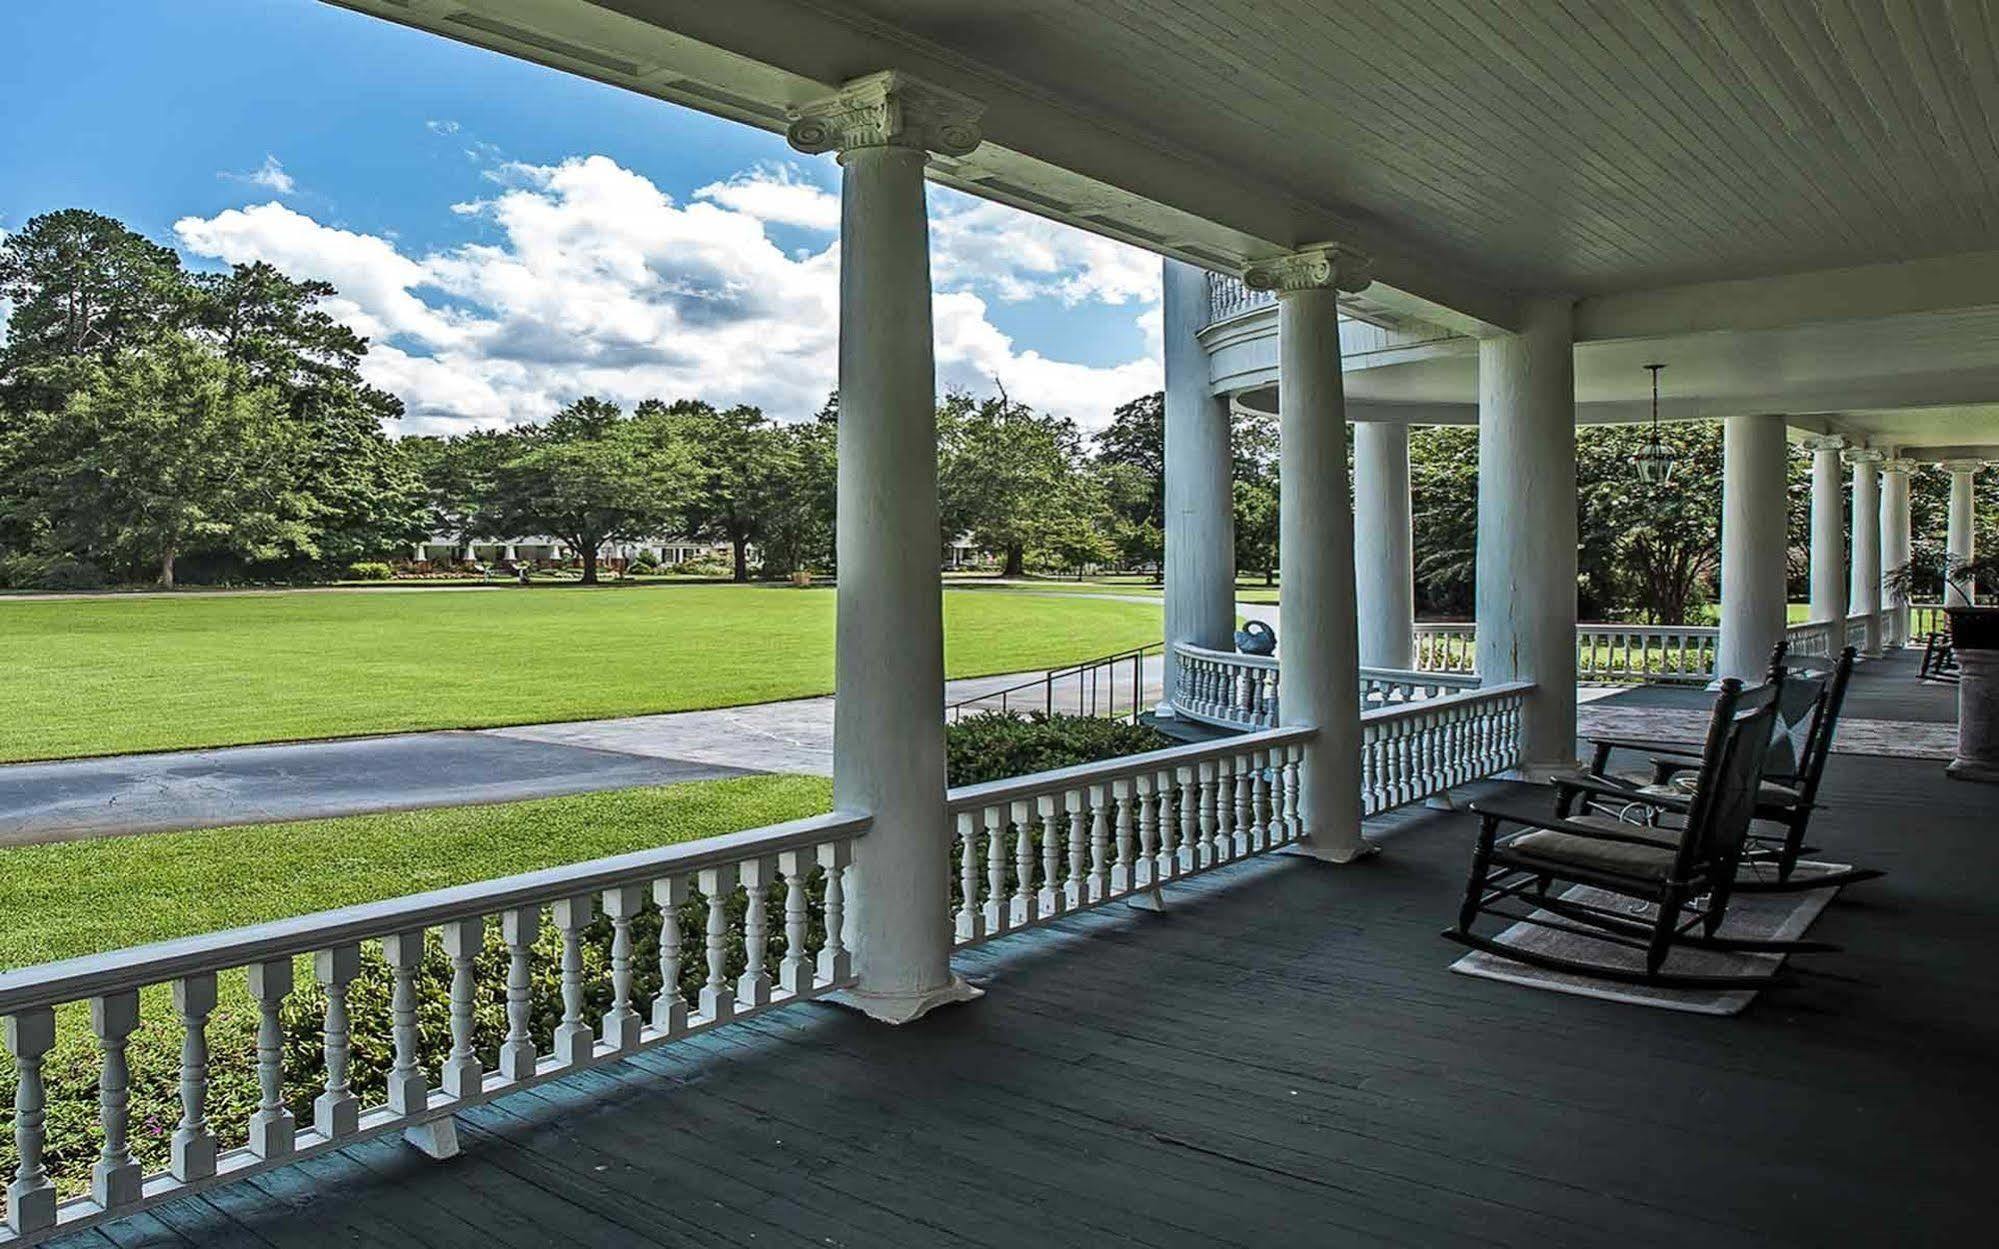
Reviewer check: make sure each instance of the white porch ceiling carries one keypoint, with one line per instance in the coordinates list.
(1684, 168)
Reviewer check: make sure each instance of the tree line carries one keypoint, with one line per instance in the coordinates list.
(160, 424)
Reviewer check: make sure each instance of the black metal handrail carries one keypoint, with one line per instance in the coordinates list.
(1096, 682)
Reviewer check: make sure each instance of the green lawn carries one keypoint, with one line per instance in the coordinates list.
(109, 675)
(165, 885)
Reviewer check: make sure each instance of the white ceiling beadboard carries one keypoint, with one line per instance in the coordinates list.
(1579, 145)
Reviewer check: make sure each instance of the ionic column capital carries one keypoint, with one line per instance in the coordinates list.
(1331, 267)
(1864, 455)
(1961, 466)
(1825, 442)
(1898, 464)
(888, 109)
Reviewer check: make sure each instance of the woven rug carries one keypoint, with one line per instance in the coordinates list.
(1898, 739)
(1778, 916)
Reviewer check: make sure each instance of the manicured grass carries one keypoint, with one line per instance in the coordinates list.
(109, 675)
(82, 897)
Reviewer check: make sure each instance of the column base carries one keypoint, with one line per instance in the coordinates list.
(1972, 770)
(902, 1008)
(437, 1138)
(1332, 854)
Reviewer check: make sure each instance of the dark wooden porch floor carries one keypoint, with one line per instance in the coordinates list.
(1282, 1059)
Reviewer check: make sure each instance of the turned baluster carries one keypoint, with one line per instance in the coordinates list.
(192, 1152)
(1023, 863)
(1051, 898)
(463, 1074)
(834, 961)
(1210, 848)
(336, 1112)
(620, 1027)
(519, 928)
(114, 1181)
(669, 1008)
(1291, 830)
(753, 986)
(409, 1091)
(1188, 856)
(998, 910)
(1260, 831)
(272, 1130)
(575, 1040)
(1244, 829)
(718, 997)
(971, 922)
(1076, 891)
(794, 973)
(1124, 875)
(1145, 794)
(31, 1196)
(1098, 885)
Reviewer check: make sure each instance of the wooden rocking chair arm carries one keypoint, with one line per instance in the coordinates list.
(1598, 787)
(1534, 818)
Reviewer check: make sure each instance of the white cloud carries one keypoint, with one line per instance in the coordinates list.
(597, 282)
(270, 175)
(1019, 256)
(445, 126)
(779, 195)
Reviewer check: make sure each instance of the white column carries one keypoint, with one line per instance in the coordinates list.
(1895, 539)
(1200, 509)
(1828, 532)
(1960, 543)
(1754, 505)
(1384, 569)
(1863, 595)
(888, 730)
(1526, 595)
(1317, 647)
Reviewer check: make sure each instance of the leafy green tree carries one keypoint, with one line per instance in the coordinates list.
(1131, 462)
(84, 286)
(459, 477)
(590, 475)
(742, 461)
(1443, 489)
(798, 533)
(1253, 452)
(171, 451)
(1005, 473)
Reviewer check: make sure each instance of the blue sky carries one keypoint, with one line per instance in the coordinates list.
(511, 236)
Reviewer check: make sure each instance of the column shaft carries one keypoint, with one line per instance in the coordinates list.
(1526, 595)
(1383, 563)
(1753, 545)
(1200, 508)
(1828, 532)
(1895, 539)
(888, 733)
(1864, 587)
(1321, 680)
(1960, 541)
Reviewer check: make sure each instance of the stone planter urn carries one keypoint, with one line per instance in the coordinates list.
(1974, 635)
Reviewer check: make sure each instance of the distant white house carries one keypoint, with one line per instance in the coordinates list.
(447, 548)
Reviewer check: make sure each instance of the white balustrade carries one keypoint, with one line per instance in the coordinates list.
(1415, 750)
(1446, 647)
(1606, 653)
(1032, 849)
(1814, 638)
(1855, 634)
(1230, 296)
(1240, 691)
(655, 884)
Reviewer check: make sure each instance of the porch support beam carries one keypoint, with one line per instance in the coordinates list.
(1828, 529)
(1526, 593)
(1200, 508)
(1319, 645)
(1960, 540)
(1864, 588)
(888, 736)
(1753, 545)
(1384, 570)
(1895, 547)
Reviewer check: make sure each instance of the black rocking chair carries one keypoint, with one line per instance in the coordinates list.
(1812, 690)
(1939, 659)
(1687, 874)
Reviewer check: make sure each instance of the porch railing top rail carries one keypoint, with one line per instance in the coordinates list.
(990, 793)
(93, 975)
(1471, 694)
(1459, 680)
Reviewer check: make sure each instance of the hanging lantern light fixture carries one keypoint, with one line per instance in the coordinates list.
(1655, 458)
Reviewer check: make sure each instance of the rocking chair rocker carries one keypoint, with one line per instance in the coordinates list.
(1687, 874)
(1812, 690)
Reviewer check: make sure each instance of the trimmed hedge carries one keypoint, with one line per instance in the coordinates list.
(995, 745)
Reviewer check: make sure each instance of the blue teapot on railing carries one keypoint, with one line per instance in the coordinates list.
(1256, 638)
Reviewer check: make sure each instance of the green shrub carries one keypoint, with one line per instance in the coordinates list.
(50, 572)
(369, 570)
(995, 745)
